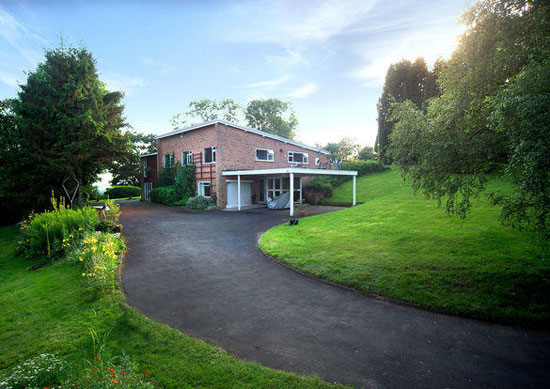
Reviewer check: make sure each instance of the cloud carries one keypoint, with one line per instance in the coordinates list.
(288, 22)
(120, 82)
(8, 79)
(266, 84)
(305, 90)
(292, 57)
(22, 38)
(161, 67)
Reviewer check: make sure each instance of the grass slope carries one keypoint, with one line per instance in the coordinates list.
(48, 310)
(405, 248)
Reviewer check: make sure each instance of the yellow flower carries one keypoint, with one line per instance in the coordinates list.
(83, 274)
(80, 259)
(93, 248)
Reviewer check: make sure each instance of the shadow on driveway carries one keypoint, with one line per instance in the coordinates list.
(202, 273)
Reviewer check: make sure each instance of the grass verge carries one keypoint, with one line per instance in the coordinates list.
(404, 247)
(49, 311)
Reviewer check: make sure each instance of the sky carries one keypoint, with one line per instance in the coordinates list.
(327, 57)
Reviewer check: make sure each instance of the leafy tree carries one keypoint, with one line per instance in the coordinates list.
(491, 118)
(205, 110)
(126, 169)
(343, 150)
(67, 127)
(405, 80)
(366, 153)
(272, 115)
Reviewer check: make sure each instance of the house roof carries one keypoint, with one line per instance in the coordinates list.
(245, 129)
(147, 155)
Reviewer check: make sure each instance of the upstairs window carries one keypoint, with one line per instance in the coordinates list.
(296, 157)
(209, 155)
(144, 168)
(186, 158)
(317, 161)
(265, 155)
(168, 160)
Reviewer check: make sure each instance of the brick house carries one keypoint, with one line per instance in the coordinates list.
(239, 166)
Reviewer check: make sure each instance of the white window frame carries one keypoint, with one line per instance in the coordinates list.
(270, 152)
(186, 157)
(213, 155)
(200, 191)
(145, 168)
(317, 161)
(305, 157)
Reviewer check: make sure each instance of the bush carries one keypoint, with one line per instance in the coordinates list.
(184, 182)
(41, 371)
(96, 256)
(48, 235)
(108, 226)
(91, 193)
(321, 185)
(164, 195)
(200, 202)
(125, 191)
(364, 167)
(167, 175)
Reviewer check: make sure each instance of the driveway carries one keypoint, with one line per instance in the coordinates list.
(203, 274)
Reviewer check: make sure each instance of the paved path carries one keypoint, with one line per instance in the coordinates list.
(203, 274)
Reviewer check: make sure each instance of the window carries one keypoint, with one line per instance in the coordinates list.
(186, 158)
(209, 155)
(317, 161)
(144, 168)
(295, 157)
(204, 188)
(168, 160)
(264, 155)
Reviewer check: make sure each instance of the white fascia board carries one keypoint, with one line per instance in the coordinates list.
(245, 129)
(318, 172)
(147, 155)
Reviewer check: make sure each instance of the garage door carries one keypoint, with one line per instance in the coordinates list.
(246, 192)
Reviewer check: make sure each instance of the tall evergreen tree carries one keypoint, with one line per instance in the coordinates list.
(68, 128)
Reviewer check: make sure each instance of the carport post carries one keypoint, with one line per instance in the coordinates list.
(354, 189)
(291, 194)
(239, 192)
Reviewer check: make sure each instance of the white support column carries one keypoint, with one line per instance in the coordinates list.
(239, 192)
(291, 194)
(354, 189)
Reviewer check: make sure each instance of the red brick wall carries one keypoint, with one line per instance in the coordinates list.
(235, 149)
(151, 172)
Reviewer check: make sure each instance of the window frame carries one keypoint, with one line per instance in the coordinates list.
(200, 185)
(305, 157)
(213, 154)
(269, 152)
(144, 164)
(317, 161)
(185, 157)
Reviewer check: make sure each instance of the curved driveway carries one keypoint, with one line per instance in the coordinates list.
(203, 274)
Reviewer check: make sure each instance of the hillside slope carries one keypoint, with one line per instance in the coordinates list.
(404, 247)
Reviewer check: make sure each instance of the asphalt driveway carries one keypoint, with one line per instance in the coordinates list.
(203, 274)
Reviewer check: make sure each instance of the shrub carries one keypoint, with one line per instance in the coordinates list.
(364, 167)
(96, 256)
(91, 193)
(107, 226)
(119, 192)
(164, 195)
(112, 211)
(184, 181)
(200, 202)
(321, 185)
(167, 175)
(49, 234)
(41, 371)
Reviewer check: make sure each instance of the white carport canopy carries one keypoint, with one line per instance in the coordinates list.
(291, 172)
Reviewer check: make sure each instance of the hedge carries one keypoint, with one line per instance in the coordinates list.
(166, 195)
(118, 192)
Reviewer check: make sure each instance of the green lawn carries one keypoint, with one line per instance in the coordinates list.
(405, 248)
(49, 311)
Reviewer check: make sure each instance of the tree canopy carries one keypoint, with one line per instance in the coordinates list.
(207, 109)
(492, 117)
(126, 169)
(66, 125)
(405, 80)
(345, 149)
(272, 115)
